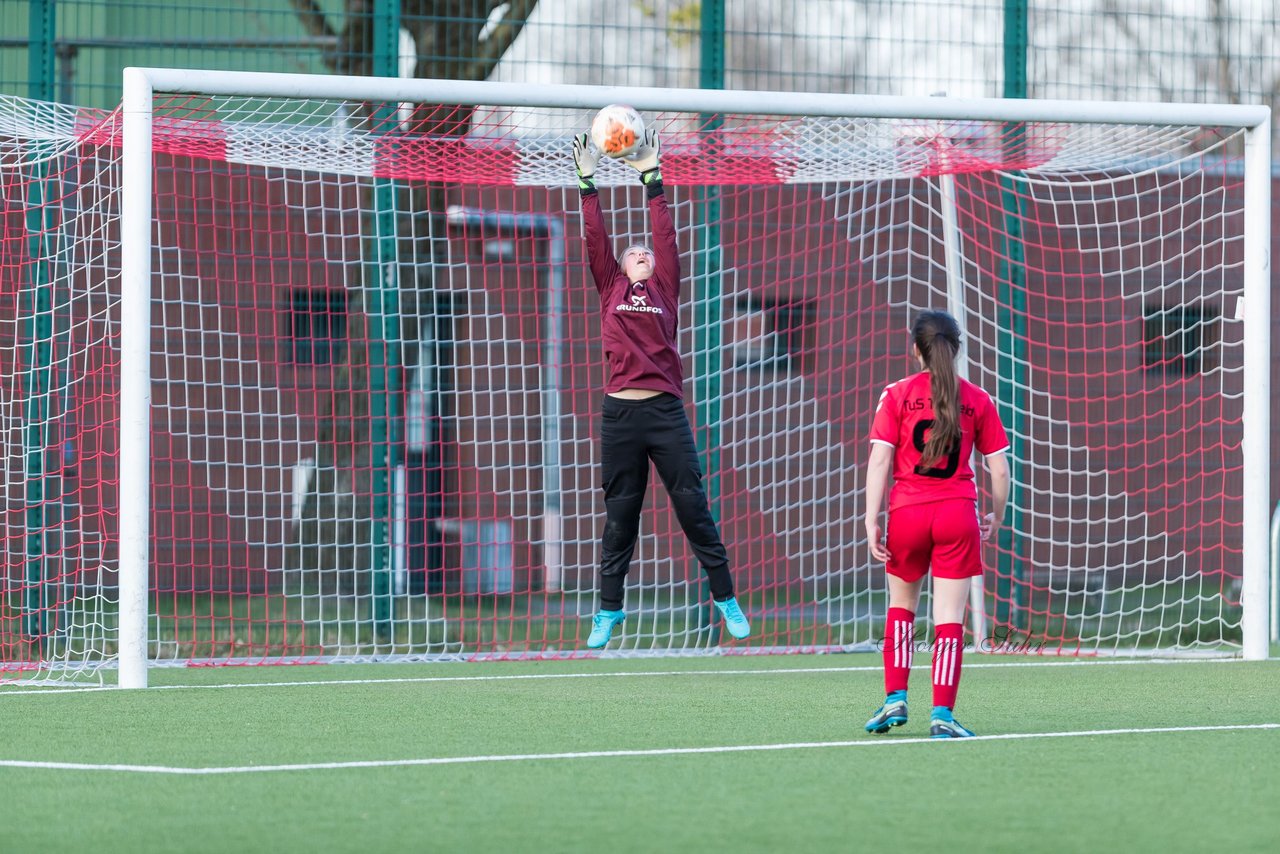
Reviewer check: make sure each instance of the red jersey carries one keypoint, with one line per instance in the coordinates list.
(638, 322)
(903, 418)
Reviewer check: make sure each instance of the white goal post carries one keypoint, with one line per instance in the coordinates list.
(137, 225)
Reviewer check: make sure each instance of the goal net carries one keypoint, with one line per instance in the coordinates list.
(372, 352)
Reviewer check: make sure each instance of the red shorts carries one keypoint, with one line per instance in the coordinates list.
(943, 535)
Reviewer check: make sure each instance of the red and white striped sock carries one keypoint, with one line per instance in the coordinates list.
(948, 650)
(899, 644)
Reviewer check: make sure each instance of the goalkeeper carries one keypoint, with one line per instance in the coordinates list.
(925, 430)
(643, 410)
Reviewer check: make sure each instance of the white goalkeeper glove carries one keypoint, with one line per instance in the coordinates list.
(645, 159)
(586, 158)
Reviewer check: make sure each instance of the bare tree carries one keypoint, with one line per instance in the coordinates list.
(455, 39)
(1134, 49)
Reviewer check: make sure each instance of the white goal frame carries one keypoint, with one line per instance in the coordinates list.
(140, 85)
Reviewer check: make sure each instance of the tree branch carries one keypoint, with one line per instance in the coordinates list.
(312, 18)
(1226, 76)
(1121, 19)
(488, 52)
(314, 22)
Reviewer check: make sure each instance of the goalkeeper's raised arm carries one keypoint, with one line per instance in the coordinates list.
(643, 418)
(604, 268)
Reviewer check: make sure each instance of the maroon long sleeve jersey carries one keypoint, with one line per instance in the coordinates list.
(638, 322)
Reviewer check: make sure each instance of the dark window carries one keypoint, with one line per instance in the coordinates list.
(318, 325)
(751, 335)
(1179, 341)
(771, 333)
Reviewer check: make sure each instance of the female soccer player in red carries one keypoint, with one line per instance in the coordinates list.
(644, 417)
(926, 428)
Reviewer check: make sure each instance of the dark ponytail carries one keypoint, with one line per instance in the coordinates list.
(937, 335)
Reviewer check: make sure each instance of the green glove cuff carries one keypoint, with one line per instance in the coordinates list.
(652, 180)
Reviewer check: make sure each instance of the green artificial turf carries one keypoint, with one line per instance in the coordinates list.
(1163, 791)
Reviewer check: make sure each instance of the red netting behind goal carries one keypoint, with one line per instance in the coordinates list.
(58, 388)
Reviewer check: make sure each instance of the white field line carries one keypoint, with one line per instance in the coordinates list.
(604, 754)
(511, 677)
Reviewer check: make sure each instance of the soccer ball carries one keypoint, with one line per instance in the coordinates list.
(617, 130)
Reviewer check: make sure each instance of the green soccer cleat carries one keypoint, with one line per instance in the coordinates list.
(892, 713)
(735, 621)
(942, 724)
(602, 627)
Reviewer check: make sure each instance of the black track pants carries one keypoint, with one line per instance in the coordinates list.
(635, 432)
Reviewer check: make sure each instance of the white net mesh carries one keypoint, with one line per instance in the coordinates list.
(377, 369)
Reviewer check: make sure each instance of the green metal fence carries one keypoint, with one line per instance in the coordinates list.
(1211, 50)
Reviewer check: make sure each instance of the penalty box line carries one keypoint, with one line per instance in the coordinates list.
(607, 754)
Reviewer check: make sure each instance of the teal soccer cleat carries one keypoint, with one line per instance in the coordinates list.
(602, 627)
(892, 713)
(734, 619)
(942, 724)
